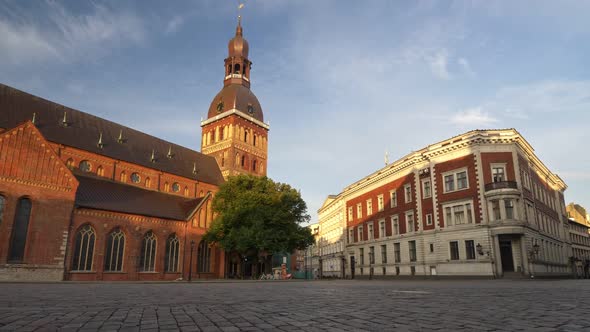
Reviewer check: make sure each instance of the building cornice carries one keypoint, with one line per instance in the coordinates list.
(238, 113)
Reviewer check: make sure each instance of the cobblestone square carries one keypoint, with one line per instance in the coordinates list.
(418, 305)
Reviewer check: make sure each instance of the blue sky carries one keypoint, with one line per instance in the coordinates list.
(340, 82)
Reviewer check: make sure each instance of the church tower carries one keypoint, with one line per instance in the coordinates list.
(234, 131)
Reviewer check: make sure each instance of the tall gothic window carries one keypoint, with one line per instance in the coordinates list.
(19, 232)
(84, 249)
(148, 252)
(2, 205)
(113, 261)
(171, 259)
(204, 257)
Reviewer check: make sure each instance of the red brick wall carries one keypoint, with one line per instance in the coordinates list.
(30, 168)
(388, 210)
(489, 158)
(135, 227)
(470, 193)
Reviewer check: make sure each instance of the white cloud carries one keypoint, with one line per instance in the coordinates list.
(474, 117)
(65, 36)
(438, 65)
(174, 24)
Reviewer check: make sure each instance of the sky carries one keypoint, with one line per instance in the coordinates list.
(340, 82)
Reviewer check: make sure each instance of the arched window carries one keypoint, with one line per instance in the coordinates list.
(171, 259)
(100, 171)
(113, 261)
(85, 166)
(213, 135)
(20, 229)
(204, 257)
(201, 194)
(148, 182)
(70, 163)
(186, 192)
(246, 136)
(148, 252)
(254, 140)
(243, 163)
(254, 165)
(228, 69)
(237, 68)
(2, 205)
(221, 130)
(84, 249)
(123, 177)
(166, 187)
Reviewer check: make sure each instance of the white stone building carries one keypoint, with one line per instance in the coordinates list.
(332, 226)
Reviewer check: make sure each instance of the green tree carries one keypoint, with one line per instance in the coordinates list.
(257, 216)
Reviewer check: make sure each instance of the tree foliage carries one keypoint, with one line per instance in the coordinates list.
(256, 214)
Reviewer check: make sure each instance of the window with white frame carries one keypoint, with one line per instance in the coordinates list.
(408, 193)
(496, 209)
(498, 172)
(370, 230)
(350, 236)
(397, 252)
(429, 219)
(350, 213)
(393, 198)
(410, 222)
(381, 228)
(380, 202)
(369, 207)
(426, 188)
(458, 213)
(359, 210)
(395, 225)
(360, 233)
(455, 180)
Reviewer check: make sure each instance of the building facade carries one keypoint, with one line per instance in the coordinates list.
(478, 204)
(331, 237)
(84, 198)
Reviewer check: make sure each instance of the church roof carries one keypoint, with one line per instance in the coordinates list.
(102, 194)
(82, 131)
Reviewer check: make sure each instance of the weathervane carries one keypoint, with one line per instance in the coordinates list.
(240, 6)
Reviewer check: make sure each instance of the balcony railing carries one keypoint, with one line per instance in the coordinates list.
(501, 185)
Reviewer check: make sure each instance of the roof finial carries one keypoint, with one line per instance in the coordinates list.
(100, 144)
(64, 121)
(195, 168)
(170, 154)
(120, 139)
(153, 157)
(34, 120)
(239, 28)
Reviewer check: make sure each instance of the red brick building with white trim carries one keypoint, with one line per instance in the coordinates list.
(84, 198)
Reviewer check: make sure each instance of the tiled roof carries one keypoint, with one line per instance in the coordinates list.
(102, 194)
(83, 131)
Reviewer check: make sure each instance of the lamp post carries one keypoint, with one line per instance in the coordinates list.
(190, 264)
(533, 253)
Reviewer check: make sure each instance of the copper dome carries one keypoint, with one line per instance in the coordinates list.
(236, 96)
(238, 46)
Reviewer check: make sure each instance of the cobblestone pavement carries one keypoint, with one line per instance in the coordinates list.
(474, 305)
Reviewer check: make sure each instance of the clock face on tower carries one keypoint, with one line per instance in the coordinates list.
(250, 109)
(220, 107)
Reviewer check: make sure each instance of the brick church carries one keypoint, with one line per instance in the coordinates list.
(84, 198)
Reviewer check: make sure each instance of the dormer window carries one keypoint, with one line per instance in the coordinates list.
(220, 107)
(250, 109)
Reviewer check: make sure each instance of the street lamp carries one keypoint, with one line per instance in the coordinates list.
(533, 253)
(190, 264)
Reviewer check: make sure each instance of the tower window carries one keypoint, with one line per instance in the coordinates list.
(243, 161)
(254, 165)
(254, 140)
(237, 69)
(245, 136)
